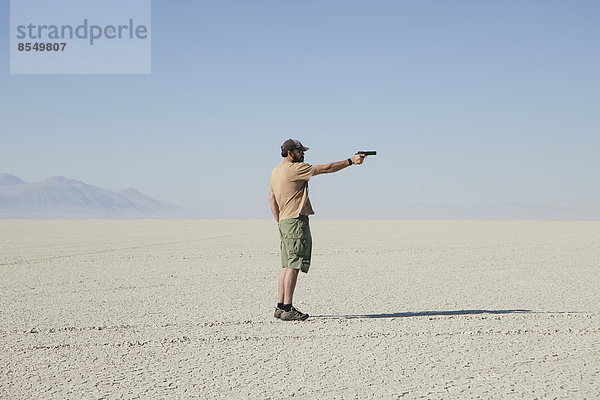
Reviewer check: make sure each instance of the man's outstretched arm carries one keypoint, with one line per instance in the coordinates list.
(274, 206)
(339, 165)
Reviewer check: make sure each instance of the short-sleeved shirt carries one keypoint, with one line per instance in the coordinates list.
(289, 184)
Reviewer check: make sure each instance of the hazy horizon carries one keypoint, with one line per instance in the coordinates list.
(467, 104)
(65, 198)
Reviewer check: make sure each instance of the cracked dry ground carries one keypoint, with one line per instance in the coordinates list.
(401, 309)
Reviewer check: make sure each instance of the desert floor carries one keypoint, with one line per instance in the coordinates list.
(399, 309)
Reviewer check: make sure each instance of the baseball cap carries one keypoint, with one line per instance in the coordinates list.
(292, 144)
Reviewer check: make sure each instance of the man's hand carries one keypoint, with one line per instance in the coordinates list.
(358, 159)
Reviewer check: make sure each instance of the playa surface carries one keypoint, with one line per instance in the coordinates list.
(399, 309)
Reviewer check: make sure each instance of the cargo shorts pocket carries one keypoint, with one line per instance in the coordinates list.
(295, 243)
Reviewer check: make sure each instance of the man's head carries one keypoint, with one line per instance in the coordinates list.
(293, 150)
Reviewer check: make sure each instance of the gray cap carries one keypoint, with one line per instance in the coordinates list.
(292, 144)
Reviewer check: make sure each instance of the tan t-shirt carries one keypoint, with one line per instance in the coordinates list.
(289, 183)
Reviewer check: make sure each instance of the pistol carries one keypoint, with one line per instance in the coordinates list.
(367, 153)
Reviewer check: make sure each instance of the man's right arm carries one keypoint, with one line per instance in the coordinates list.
(339, 165)
(274, 206)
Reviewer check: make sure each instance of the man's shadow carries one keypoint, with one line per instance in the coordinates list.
(423, 314)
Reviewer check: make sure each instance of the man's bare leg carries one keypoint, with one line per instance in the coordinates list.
(289, 284)
(280, 286)
(290, 276)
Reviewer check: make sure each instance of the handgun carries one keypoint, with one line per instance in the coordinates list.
(367, 153)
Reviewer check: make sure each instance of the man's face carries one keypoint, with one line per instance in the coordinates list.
(297, 155)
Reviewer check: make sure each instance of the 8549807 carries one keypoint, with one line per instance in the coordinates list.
(41, 46)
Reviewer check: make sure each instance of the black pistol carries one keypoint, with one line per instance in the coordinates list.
(367, 153)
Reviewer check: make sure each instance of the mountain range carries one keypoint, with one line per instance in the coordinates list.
(60, 197)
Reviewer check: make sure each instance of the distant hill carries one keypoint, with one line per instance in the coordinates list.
(9, 180)
(60, 197)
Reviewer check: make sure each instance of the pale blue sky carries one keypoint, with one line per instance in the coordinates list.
(466, 102)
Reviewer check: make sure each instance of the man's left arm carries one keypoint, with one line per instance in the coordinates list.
(274, 206)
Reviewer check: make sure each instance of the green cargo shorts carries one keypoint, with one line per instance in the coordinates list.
(296, 243)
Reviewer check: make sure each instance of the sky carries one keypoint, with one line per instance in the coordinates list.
(466, 102)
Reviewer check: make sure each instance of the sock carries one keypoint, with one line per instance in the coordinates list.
(287, 307)
(279, 305)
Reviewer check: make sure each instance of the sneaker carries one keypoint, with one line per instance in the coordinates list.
(278, 312)
(293, 315)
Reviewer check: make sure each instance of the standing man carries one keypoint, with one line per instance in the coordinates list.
(288, 196)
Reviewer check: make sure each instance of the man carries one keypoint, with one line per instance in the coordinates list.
(288, 196)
